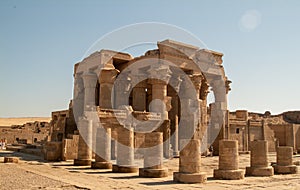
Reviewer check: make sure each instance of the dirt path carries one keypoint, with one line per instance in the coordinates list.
(33, 173)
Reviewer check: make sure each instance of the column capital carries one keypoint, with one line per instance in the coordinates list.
(123, 83)
(108, 75)
(175, 82)
(227, 85)
(161, 72)
(197, 80)
(204, 90)
(139, 80)
(89, 79)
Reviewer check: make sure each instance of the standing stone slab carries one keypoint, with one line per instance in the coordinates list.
(259, 165)
(284, 163)
(228, 161)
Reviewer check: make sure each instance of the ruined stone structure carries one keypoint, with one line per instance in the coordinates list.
(145, 95)
(228, 161)
(259, 165)
(153, 156)
(28, 133)
(284, 163)
(190, 164)
(63, 138)
(278, 130)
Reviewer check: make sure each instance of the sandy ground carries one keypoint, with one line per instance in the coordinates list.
(21, 120)
(33, 173)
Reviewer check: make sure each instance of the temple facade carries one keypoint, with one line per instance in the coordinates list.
(165, 90)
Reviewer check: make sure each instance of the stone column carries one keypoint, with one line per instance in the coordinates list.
(190, 163)
(153, 156)
(197, 82)
(284, 164)
(125, 151)
(175, 138)
(228, 161)
(84, 156)
(190, 111)
(173, 91)
(158, 104)
(103, 149)
(90, 81)
(122, 89)
(159, 92)
(78, 97)
(218, 112)
(107, 78)
(139, 95)
(189, 120)
(259, 165)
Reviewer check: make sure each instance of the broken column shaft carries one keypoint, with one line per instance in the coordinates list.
(228, 161)
(153, 157)
(190, 163)
(259, 165)
(284, 164)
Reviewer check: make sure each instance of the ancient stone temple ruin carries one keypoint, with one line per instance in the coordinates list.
(164, 91)
(129, 114)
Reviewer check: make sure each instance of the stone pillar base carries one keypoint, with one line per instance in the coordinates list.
(292, 169)
(124, 169)
(154, 173)
(189, 177)
(101, 165)
(229, 174)
(82, 162)
(260, 171)
(11, 159)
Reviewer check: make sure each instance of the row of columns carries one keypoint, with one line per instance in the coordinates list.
(189, 160)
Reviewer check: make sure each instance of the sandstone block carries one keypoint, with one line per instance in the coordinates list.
(82, 162)
(11, 159)
(153, 173)
(189, 177)
(260, 171)
(229, 174)
(101, 165)
(125, 169)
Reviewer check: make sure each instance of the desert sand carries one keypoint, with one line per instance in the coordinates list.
(21, 120)
(33, 173)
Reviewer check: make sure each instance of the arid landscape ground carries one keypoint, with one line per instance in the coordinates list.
(21, 120)
(34, 173)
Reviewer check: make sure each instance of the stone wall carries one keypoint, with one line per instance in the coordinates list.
(27, 134)
(276, 129)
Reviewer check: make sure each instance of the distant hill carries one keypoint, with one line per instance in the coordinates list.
(22, 120)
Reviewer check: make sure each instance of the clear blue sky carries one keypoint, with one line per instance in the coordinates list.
(40, 41)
